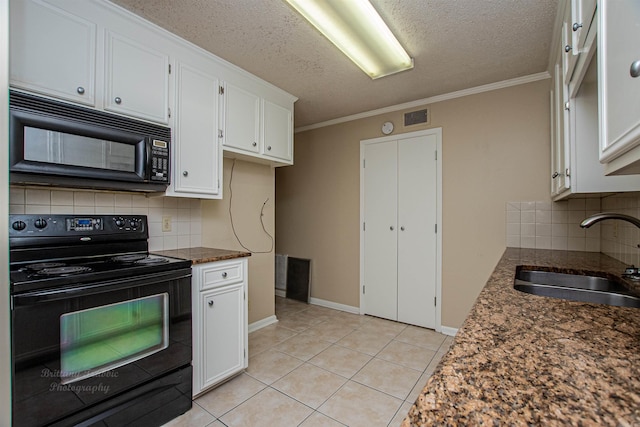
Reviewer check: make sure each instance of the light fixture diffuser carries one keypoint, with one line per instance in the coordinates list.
(357, 29)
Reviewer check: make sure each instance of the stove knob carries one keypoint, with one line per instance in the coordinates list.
(120, 222)
(133, 223)
(40, 223)
(19, 225)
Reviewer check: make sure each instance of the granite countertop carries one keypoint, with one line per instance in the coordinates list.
(521, 359)
(203, 255)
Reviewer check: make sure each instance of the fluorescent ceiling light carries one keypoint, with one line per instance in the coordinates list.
(359, 32)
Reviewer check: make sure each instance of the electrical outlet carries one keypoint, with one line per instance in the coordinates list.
(166, 223)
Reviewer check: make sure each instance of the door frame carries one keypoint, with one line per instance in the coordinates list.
(397, 137)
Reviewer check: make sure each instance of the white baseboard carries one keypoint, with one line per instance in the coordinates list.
(449, 331)
(335, 305)
(262, 323)
(281, 293)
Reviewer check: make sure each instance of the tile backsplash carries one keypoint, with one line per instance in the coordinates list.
(620, 239)
(555, 225)
(186, 214)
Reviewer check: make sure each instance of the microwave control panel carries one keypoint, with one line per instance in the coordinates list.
(159, 161)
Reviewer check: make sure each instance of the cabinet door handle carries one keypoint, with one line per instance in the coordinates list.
(118, 100)
(567, 48)
(255, 143)
(211, 303)
(635, 69)
(576, 26)
(269, 148)
(402, 228)
(391, 228)
(80, 90)
(185, 173)
(555, 175)
(224, 275)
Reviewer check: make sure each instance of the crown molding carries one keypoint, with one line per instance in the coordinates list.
(438, 98)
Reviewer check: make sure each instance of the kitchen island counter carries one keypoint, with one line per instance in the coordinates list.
(202, 255)
(521, 359)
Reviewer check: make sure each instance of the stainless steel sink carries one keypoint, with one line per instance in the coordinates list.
(575, 287)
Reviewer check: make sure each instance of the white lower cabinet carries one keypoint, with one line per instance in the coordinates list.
(220, 336)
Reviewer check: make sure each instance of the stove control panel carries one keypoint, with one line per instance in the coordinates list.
(133, 226)
(128, 223)
(84, 224)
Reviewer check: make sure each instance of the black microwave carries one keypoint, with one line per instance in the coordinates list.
(59, 144)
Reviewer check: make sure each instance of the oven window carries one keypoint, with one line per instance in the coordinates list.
(41, 145)
(99, 339)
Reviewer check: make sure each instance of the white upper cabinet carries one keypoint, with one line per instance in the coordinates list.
(278, 132)
(52, 52)
(560, 139)
(619, 71)
(241, 119)
(137, 79)
(96, 53)
(576, 105)
(582, 12)
(197, 153)
(256, 126)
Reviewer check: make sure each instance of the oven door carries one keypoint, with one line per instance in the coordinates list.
(112, 353)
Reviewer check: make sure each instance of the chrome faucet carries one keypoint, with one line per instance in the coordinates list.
(588, 222)
(631, 272)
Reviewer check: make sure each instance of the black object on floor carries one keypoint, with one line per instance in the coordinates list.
(298, 279)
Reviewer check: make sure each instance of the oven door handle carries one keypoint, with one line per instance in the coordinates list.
(79, 290)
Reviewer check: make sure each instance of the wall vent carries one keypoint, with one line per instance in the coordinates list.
(416, 117)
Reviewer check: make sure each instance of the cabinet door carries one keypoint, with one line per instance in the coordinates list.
(198, 156)
(380, 177)
(241, 119)
(417, 217)
(136, 79)
(222, 333)
(569, 53)
(582, 14)
(52, 52)
(619, 90)
(278, 131)
(561, 156)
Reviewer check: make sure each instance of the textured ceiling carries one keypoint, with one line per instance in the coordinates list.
(456, 44)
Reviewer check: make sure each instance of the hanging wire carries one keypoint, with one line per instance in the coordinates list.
(233, 165)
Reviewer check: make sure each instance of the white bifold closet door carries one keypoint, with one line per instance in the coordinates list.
(400, 213)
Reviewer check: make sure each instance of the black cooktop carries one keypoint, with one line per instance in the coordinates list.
(53, 251)
(50, 274)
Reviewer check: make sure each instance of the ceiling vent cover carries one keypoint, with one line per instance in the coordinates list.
(416, 117)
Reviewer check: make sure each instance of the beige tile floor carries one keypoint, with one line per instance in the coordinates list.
(323, 367)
